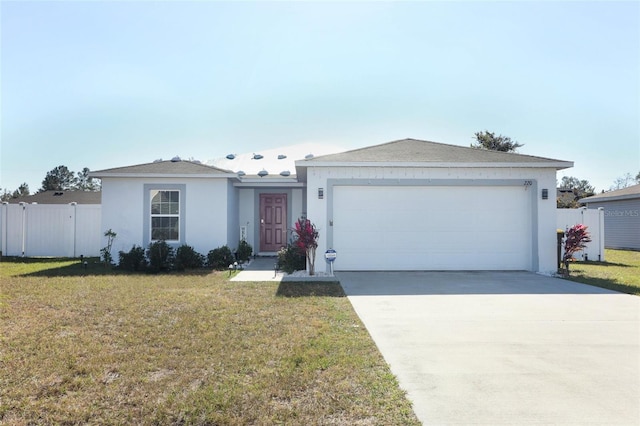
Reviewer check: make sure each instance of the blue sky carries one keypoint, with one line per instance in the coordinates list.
(108, 84)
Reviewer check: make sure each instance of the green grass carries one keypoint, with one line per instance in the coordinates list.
(620, 272)
(87, 346)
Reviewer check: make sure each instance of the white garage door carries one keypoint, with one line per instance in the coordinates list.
(432, 228)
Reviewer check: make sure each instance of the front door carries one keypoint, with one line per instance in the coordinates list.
(273, 222)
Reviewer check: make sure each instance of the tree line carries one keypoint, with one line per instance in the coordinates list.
(57, 179)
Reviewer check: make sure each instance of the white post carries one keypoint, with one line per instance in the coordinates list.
(24, 226)
(5, 213)
(601, 232)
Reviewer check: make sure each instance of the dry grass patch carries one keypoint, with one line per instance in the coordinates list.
(186, 349)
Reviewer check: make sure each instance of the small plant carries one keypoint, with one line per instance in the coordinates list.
(307, 240)
(188, 258)
(134, 260)
(291, 258)
(576, 240)
(161, 256)
(244, 250)
(105, 252)
(220, 258)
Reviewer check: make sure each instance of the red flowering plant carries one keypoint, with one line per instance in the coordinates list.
(576, 239)
(307, 241)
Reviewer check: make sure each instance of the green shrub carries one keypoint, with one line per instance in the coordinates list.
(220, 258)
(291, 258)
(161, 256)
(134, 260)
(188, 258)
(244, 250)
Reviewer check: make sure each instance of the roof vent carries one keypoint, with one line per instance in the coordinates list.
(58, 194)
(159, 160)
(241, 173)
(176, 159)
(231, 156)
(263, 173)
(285, 173)
(281, 157)
(308, 156)
(257, 157)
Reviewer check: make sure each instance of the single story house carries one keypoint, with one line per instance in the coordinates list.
(621, 216)
(403, 205)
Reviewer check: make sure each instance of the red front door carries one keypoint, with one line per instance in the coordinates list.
(273, 222)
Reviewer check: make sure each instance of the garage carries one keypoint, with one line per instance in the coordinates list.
(452, 227)
(412, 204)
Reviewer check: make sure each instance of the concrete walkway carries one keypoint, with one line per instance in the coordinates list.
(260, 269)
(499, 348)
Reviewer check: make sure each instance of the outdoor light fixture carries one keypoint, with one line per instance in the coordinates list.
(320, 193)
(545, 194)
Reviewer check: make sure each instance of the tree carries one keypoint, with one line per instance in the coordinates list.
(22, 191)
(625, 181)
(86, 183)
(59, 179)
(571, 190)
(489, 140)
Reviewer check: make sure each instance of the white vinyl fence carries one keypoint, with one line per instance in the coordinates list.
(59, 230)
(594, 220)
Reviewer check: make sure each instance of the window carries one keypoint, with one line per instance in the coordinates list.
(165, 215)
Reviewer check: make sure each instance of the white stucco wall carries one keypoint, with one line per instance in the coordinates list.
(542, 178)
(206, 210)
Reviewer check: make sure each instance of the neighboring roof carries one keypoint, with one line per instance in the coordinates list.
(629, 192)
(176, 168)
(60, 197)
(418, 152)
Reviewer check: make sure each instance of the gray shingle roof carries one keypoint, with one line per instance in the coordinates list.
(618, 194)
(61, 197)
(164, 168)
(419, 151)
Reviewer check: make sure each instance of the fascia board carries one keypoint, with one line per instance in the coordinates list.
(558, 165)
(162, 175)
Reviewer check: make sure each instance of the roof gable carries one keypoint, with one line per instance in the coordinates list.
(420, 151)
(165, 168)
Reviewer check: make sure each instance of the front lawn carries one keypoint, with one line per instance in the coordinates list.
(183, 349)
(621, 271)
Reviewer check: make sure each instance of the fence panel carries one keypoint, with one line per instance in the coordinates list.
(594, 220)
(60, 230)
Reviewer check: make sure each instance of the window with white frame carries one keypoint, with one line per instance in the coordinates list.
(165, 215)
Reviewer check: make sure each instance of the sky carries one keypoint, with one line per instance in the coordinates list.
(116, 83)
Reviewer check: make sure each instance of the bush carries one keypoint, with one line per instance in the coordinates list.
(161, 256)
(134, 260)
(291, 258)
(188, 258)
(220, 258)
(244, 251)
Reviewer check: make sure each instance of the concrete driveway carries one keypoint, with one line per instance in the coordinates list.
(497, 348)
